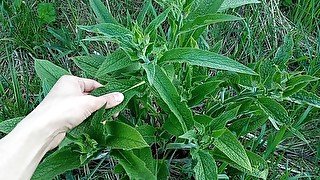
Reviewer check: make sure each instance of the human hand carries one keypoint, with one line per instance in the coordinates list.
(68, 104)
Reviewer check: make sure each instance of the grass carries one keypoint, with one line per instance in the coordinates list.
(257, 37)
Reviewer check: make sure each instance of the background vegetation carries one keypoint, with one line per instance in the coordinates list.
(47, 30)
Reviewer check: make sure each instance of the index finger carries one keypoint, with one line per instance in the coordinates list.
(88, 85)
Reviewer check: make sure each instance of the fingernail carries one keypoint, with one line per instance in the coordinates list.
(118, 97)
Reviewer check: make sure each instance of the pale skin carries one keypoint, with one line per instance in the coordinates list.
(65, 107)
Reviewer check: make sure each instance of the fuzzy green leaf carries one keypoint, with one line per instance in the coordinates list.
(173, 126)
(145, 154)
(206, 168)
(204, 7)
(60, 161)
(273, 109)
(134, 166)
(113, 62)
(233, 149)
(101, 12)
(204, 58)
(46, 12)
(227, 4)
(304, 97)
(48, 72)
(89, 64)
(123, 136)
(284, 52)
(160, 81)
(202, 90)
(259, 165)
(111, 32)
(206, 20)
(142, 14)
(221, 121)
(157, 21)
(8, 125)
(249, 124)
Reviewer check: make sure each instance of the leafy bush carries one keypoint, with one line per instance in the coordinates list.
(181, 102)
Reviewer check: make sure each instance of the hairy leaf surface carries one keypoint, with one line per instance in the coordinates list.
(206, 168)
(160, 81)
(123, 136)
(102, 13)
(233, 149)
(204, 58)
(135, 167)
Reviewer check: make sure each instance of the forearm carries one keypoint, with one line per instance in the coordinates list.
(23, 148)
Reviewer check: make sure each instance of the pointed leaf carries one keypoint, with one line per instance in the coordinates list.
(134, 167)
(206, 168)
(111, 32)
(102, 13)
(284, 52)
(304, 97)
(89, 64)
(160, 81)
(233, 149)
(204, 58)
(259, 165)
(123, 136)
(48, 72)
(206, 20)
(273, 109)
(8, 125)
(60, 161)
(204, 7)
(227, 4)
(113, 62)
(202, 90)
(157, 22)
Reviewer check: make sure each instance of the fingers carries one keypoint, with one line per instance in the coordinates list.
(69, 84)
(87, 85)
(109, 101)
(113, 99)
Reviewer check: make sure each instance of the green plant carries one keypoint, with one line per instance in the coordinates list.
(180, 98)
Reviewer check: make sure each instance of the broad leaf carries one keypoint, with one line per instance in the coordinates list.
(48, 72)
(204, 58)
(233, 149)
(284, 52)
(123, 136)
(206, 20)
(8, 125)
(227, 4)
(304, 97)
(221, 121)
(142, 14)
(206, 168)
(145, 154)
(259, 165)
(89, 64)
(245, 125)
(57, 163)
(102, 13)
(113, 62)
(167, 91)
(202, 90)
(134, 167)
(273, 109)
(173, 126)
(274, 140)
(147, 132)
(157, 22)
(112, 32)
(204, 7)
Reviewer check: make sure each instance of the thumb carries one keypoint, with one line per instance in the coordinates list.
(109, 100)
